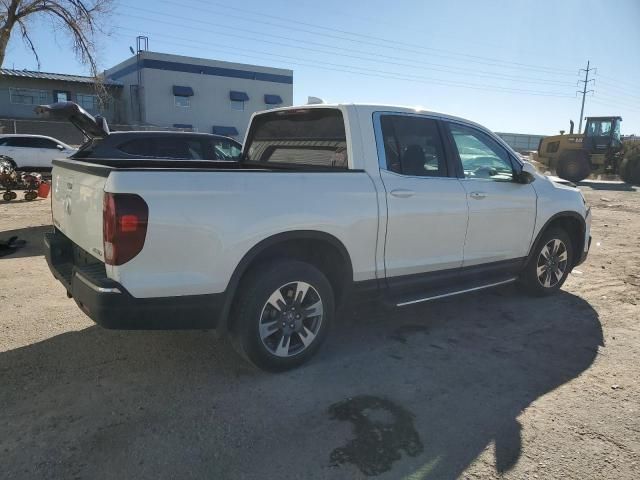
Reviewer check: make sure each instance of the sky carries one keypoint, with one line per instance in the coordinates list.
(512, 66)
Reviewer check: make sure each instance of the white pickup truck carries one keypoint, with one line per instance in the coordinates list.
(328, 201)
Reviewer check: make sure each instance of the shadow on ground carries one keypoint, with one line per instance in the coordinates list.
(428, 388)
(612, 186)
(34, 237)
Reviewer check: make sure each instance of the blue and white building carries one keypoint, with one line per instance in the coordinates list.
(196, 93)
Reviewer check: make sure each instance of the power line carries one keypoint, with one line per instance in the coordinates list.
(289, 22)
(615, 104)
(618, 81)
(415, 65)
(310, 42)
(367, 72)
(463, 72)
(616, 88)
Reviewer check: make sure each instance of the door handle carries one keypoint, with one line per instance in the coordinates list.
(477, 195)
(402, 193)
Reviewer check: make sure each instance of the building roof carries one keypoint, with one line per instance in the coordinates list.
(63, 77)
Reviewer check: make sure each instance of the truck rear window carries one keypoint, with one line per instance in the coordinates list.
(313, 137)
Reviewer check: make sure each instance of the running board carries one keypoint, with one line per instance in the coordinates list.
(450, 294)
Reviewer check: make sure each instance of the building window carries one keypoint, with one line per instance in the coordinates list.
(61, 96)
(237, 105)
(181, 101)
(88, 102)
(28, 96)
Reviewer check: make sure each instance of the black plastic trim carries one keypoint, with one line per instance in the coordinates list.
(261, 246)
(103, 167)
(568, 213)
(456, 278)
(110, 305)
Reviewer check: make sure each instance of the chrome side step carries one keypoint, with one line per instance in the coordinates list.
(450, 294)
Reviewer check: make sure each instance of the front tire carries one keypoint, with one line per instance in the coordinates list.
(283, 313)
(574, 165)
(549, 264)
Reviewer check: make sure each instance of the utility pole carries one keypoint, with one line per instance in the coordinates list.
(584, 91)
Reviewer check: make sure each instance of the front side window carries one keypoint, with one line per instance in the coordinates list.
(28, 96)
(225, 150)
(413, 146)
(44, 143)
(237, 105)
(481, 156)
(181, 101)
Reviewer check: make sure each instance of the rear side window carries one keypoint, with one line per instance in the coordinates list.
(24, 142)
(413, 146)
(140, 147)
(308, 137)
(168, 147)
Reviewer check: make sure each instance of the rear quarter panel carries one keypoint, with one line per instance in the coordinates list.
(201, 224)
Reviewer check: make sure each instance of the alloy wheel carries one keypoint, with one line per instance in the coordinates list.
(552, 263)
(290, 319)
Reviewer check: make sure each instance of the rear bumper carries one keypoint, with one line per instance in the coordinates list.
(109, 304)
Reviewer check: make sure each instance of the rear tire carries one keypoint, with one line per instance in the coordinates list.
(549, 264)
(630, 170)
(282, 314)
(574, 165)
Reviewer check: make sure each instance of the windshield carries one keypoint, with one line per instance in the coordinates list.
(311, 137)
(599, 128)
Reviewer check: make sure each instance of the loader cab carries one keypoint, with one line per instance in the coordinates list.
(602, 134)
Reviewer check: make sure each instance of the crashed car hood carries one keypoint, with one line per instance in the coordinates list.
(92, 127)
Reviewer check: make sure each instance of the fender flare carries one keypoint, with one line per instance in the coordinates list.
(260, 247)
(567, 213)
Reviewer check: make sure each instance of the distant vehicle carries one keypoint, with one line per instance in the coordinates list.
(33, 152)
(327, 201)
(139, 144)
(600, 149)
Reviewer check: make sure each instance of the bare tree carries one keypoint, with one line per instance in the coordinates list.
(81, 20)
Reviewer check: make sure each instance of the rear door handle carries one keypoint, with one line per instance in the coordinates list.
(402, 193)
(477, 195)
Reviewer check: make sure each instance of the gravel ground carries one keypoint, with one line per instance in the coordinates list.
(490, 385)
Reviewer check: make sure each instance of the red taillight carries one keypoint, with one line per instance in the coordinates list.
(124, 228)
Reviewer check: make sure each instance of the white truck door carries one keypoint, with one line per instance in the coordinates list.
(502, 212)
(426, 205)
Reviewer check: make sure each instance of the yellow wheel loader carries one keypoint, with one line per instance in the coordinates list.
(599, 150)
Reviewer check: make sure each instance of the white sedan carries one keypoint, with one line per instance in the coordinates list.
(33, 152)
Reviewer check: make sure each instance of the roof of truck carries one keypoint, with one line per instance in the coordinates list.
(379, 107)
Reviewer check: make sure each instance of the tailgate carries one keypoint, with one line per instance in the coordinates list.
(76, 203)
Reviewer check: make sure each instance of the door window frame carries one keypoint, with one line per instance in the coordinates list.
(450, 164)
(516, 165)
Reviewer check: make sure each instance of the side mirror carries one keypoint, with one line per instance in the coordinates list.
(526, 174)
(60, 147)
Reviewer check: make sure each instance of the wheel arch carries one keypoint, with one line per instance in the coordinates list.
(573, 223)
(323, 250)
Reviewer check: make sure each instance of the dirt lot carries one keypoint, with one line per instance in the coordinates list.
(491, 385)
